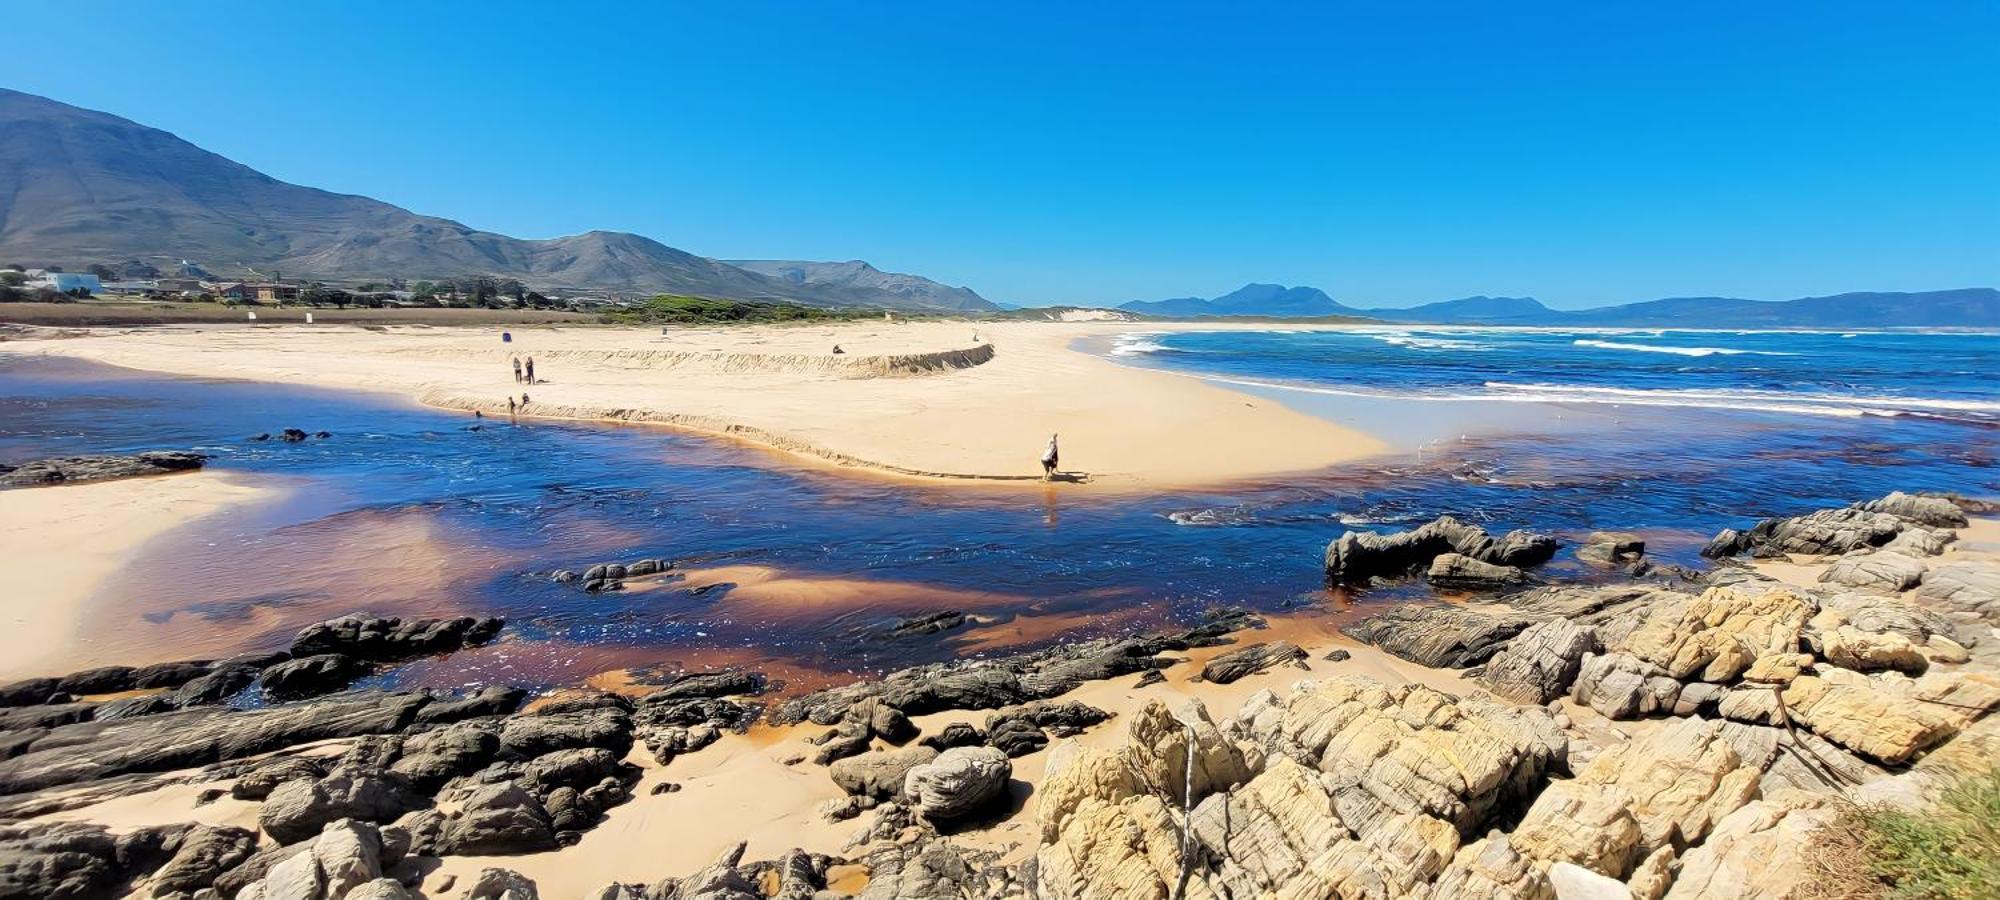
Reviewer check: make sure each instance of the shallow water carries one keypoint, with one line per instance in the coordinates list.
(406, 510)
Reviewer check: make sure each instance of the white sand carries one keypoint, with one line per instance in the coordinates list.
(57, 544)
(875, 407)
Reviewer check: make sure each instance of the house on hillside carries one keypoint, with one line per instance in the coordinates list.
(257, 291)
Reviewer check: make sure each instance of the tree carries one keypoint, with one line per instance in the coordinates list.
(102, 271)
(12, 278)
(514, 289)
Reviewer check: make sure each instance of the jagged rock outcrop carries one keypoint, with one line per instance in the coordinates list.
(1665, 789)
(1357, 556)
(880, 774)
(1011, 680)
(387, 639)
(1251, 659)
(1409, 748)
(957, 783)
(1889, 718)
(298, 809)
(1541, 663)
(1880, 572)
(1833, 532)
(1611, 549)
(1969, 588)
(311, 676)
(1441, 637)
(1758, 851)
(1932, 511)
(1716, 637)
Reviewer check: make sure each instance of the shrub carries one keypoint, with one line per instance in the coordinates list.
(1946, 852)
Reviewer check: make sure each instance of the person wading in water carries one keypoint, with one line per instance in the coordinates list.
(1049, 460)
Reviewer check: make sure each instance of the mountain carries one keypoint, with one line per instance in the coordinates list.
(1493, 310)
(79, 186)
(1249, 300)
(1962, 308)
(855, 275)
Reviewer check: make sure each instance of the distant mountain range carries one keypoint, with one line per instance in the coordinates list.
(1962, 308)
(79, 187)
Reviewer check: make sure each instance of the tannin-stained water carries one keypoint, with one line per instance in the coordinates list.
(795, 570)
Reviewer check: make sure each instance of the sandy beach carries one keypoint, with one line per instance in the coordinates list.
(914, 400)
(57, 544)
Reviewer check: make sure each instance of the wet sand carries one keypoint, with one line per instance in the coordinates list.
(910, 400)
(59, 544)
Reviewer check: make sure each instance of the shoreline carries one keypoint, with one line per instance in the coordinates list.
(912, 401)
(59, 544)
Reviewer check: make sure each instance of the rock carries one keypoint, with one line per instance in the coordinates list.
(957, 783)
(29, 692)
(296, 877)
(491, 700)
(1828, 532)
(1611, 549)
(1270, 832)
(881, 720)
(204, 854)
(1252, 659)
(580, 768)
(1716, 637)
(391, 639)
(298, 809)
(1491, 867)
(879, 774)
(1759, 850)
(1879, 721)
(544, 732)
(1880, 572)
(1578, 883)
(497, 819)
(1014, 735)
(1441, 637)
(956, 734)
(1409, 748)
(1966, 587)
(1875, 614)
(379, 889)
(1623, 686)
(1337, 655)
(1670, 786)
(434, 757)
(1851, 648)
(80, 469)
(292, 435)
(1541, 663)
(349, 855)
(91, 750)
(1921, 542)
(504, 884)
(692, 685)
(1931, 511)
(927, 624)
(311, 676)
(1128, 849)
(1455, 572)
(1357, 556)
(258, 783)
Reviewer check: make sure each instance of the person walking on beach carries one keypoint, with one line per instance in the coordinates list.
(1049, 460)
(517, 370)
(531, 370)
(510, 406)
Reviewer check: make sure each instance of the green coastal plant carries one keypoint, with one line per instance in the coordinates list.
(675, 309)
(1948, 851)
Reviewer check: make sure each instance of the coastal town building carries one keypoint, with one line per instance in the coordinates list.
(64, 281)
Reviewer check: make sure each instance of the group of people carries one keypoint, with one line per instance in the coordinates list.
(524, 374)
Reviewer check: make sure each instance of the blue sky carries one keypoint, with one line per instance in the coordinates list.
(1389, 153)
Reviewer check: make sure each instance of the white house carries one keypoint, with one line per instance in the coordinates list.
(64, 281)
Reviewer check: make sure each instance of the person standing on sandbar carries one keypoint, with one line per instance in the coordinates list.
(1049, 460)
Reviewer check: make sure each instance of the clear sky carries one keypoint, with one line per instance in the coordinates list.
(1388, 152)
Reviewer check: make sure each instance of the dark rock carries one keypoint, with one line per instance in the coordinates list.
(504, 884)
(926, 624)
(390, 639)
(310, 676)
(169, 675)
(59, 860)
(1441, 637)
(298, 809)
(48, 715)
(1828, 532)
(956, 734)
(1015, 735)
(186, 739)
(847, 739)
(1357, 556)
(106, 680)
(431, 758)
(580, 769)
(538, 734)
(28, 692)
(1337, 655)
(665, 787)
(203, 855)
(292, 435)
(562, 576)
(79, 469)
(261, 780)
(1922, 509)
(492, 700)
(709, 684)
(498, 819)
(1150, 677)
(882, 720)
(1252, 659)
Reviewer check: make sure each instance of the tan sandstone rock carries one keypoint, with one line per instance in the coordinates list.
(1755, 852)
(1717, 637)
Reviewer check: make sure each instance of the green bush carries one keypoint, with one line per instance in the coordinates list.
(674, 309)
